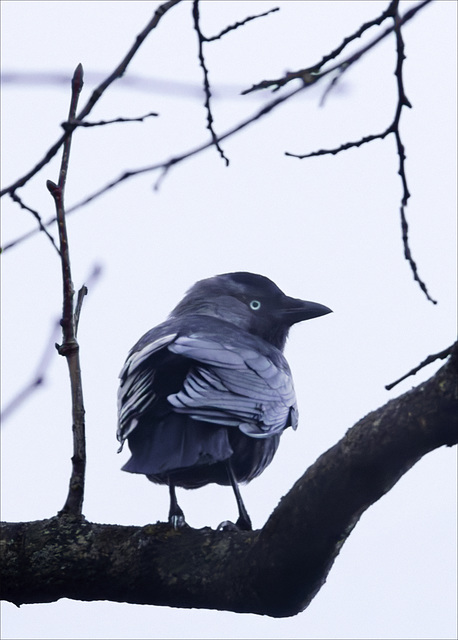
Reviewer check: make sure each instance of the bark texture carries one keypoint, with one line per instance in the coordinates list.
(275, 571)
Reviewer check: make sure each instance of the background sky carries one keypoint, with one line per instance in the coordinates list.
(324, 229)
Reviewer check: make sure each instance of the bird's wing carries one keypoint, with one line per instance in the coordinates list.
(234, 384)
(136, 392)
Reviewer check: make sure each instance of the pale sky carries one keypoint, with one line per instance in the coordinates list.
(324, 229)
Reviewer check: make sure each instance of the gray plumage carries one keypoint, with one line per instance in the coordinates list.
(205, 396)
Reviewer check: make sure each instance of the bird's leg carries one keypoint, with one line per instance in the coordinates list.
(176, 515)
(244, 521)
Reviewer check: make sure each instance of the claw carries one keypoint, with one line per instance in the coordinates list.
(227, 525)
(176, 515)
(240, 525)
(178, 522)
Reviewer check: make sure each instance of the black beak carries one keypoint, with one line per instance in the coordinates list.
(295, 310)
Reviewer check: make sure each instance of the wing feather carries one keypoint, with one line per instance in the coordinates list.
(136, 390)
(233, 379)
(235, 387)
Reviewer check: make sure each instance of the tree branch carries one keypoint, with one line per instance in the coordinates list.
(41, 227)
(276, 571)
(309, 77)
(95, 96)
(38, 379)
(236, 25)
(393, 128)
(84, 123)
(69, 347)
(207, 90)
(315, 70)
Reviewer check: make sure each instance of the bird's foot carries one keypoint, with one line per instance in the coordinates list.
(244, 522)
(227, 525)
(240, 525)
(178, 522)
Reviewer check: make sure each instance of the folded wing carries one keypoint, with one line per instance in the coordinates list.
(231, 379)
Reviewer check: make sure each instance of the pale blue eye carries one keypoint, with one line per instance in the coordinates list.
(255, 305)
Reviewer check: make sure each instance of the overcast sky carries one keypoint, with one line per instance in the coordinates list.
(324, 229)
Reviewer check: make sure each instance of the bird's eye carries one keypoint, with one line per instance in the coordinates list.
(255, 305)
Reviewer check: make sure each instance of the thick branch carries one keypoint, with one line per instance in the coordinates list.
(276, 571)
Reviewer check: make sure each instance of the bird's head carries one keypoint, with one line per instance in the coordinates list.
(252, 302)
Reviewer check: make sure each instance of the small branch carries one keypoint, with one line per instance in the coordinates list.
(38, 379)
(308, 76)
(165, 166)
(70, 347)
(70, 125)
(331, 86)
(14, 196)
(302, 74)
(90, 281)
(79, 305)
(404, 102)
(236, 25)
(207, 90)
(429, 360)
(343, 147)
(393, 128)
(96, 95)
(315, 70)
(308, 79)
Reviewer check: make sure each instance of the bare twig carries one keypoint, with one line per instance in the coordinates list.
(404, 102)
(429, 360)
(343, 147)
(69, 347)
(308, 79)
(201, 39)
(236, 25)
(168, 164)
(79, 305)
(393, 128)
(96, 95)
(309, 72)
(36, 215)
(307, 82)
(84, 123)
(38, 379)
(207, 90)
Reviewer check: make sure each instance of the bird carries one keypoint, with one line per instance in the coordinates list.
(205, 396)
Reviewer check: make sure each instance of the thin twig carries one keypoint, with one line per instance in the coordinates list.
(207, 90)
(307, 82)
(429, 360)
(393, 128)
(404, 102)
(69, 347)
(236, 25)
(79, 305)
(165, 166)
(41, 227)
(38, 379)
(84, 123)
(343, 147)
(96, 94)
(315, 69)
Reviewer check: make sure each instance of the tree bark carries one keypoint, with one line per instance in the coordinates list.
(275, 571)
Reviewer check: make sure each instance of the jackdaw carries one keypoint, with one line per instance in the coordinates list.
(205, 396)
